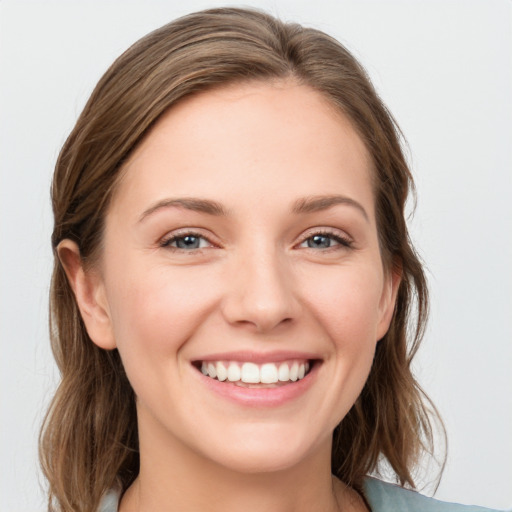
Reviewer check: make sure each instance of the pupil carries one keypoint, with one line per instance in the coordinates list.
(319, 241)
(188, 242)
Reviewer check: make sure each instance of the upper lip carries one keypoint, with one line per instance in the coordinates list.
(259, 357)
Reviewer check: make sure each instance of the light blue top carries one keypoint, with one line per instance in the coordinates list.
(381, 496)
(384, 497)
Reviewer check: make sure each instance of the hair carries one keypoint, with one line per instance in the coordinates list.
(89, 440)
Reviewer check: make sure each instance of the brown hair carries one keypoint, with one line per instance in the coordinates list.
(89, 437)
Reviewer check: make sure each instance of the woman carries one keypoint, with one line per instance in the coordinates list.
(233, 281)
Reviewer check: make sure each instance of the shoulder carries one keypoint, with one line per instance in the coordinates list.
(110, 501)
(385, 497)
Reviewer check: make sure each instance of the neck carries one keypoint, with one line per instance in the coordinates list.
(227, 491)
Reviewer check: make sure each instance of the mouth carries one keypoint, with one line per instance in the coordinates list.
(249, 374)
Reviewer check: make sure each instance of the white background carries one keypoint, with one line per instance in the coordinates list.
(443, 68)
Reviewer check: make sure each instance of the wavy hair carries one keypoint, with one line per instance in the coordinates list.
(89, 441)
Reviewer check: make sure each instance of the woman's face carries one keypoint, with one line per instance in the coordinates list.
(242, 243)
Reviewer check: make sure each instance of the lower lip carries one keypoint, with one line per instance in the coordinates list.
(260, 397)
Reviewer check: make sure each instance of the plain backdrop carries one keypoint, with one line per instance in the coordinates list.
(444, 70)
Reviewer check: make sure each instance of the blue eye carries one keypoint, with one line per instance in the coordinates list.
(319, 242)
(325, 241)
(187, 242)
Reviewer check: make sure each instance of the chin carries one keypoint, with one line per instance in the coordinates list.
(266, 452)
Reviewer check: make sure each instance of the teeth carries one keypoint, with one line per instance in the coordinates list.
(233, 372)
(212, 370)
(294, 372)
(284, 372)
(251, 373)
(268, 374)
(222, 372)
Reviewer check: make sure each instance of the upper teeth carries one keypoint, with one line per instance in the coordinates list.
(251, 373)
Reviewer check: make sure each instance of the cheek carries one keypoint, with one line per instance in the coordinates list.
(346, 303)
(155, 312)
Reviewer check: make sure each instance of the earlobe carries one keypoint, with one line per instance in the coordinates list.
(90, 295)
(388, 301)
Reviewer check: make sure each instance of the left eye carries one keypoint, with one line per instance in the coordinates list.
(187, 242)
(324, 241)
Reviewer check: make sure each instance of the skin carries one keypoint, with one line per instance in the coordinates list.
(256, 283)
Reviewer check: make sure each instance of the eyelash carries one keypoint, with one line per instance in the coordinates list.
(343, 241)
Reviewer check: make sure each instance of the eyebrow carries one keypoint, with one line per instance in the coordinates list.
(309, 204)
(189, 203)
(318, 203)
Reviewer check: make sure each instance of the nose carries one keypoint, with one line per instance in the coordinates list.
(260, 294)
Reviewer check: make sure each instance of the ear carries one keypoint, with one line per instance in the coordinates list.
(392, 280)
(90, 295)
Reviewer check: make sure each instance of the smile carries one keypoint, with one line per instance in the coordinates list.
(243, 373)
(251, 379)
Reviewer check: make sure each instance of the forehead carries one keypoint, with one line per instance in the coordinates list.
(246, 141)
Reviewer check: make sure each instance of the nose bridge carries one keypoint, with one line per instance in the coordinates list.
(261, 289)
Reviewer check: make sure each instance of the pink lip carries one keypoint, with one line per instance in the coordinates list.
(259, 397)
